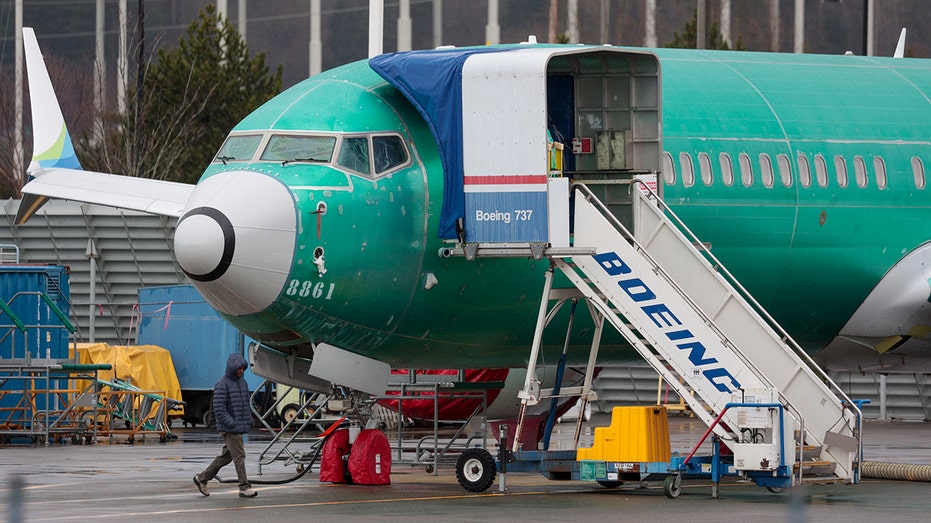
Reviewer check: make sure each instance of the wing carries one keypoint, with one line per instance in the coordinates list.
(125, 192)
(891, 330)
(55, 171)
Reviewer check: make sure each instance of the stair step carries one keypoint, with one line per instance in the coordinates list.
(810, 480)
(809, 450)
(816, 468)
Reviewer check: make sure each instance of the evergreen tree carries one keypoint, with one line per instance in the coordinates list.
(193, 95)
(689, 37)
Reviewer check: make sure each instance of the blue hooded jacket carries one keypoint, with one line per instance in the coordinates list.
(231, 399)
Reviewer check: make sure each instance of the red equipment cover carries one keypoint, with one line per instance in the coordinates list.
(370, 459)
(332, 466)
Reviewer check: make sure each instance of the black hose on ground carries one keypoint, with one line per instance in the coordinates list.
(306, 467)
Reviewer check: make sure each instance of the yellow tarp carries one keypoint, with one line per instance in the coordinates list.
(148, 367)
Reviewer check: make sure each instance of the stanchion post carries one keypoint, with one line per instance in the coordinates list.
(502, 457)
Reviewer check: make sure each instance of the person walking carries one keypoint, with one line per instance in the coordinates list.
(234, 418)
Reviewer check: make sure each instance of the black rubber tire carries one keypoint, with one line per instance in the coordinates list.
(289, 412)
(476, 470)
(610, 484)
(209, 420)
(672, 486)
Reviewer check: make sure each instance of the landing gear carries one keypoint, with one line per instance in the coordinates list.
(476, 470)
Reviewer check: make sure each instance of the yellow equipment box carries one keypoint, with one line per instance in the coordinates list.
(636, 434)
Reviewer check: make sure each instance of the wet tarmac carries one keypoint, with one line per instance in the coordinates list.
(151, 481)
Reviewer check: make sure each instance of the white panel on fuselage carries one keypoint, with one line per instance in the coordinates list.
(504, 111)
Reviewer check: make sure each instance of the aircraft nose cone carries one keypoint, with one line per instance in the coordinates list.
(206, 240)
(235, 240)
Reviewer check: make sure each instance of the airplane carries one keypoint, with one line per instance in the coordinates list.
(327, 227)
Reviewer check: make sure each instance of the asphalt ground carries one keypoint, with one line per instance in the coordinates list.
(151, 481)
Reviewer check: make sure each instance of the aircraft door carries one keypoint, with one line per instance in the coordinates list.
(560, 101)
(615, 132)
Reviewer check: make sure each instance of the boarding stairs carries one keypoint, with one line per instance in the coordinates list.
(700, 330)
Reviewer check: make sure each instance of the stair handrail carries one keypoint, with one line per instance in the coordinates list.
(590, 196)
(719, 267)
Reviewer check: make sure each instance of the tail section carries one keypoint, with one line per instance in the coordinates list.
(52, 145)
(55, 171)
(900, 46)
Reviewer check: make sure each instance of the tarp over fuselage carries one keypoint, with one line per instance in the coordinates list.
(432, 81)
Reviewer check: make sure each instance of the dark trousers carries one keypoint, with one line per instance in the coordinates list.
(233, 451)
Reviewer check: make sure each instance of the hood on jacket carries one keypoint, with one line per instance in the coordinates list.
(234, 363)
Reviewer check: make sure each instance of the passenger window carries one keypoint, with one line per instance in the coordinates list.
(746, 169)
(804, 171)
(669, 169)
(785, 169)
(918, 169)
(704, 165)
(299, 148)
(389, 152)
(880, 167)
(821, 170)
(727, 169)
(238, 148)
(354, 155)
(766, 170)
(840, 165)
(859, 169)
(688, 171)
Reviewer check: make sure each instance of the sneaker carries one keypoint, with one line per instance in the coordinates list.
(248, 493)
(201, 486)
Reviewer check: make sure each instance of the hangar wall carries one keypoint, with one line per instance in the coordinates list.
(134, 249)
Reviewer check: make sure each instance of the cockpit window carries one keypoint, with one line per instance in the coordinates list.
(354, 154)
(369, 155)
(299, 148)
(238, 148)
(389, 153)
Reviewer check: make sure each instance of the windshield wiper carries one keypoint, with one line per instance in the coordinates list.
(309, 159)
(225, 159)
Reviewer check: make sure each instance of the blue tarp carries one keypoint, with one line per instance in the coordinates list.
(432, 81)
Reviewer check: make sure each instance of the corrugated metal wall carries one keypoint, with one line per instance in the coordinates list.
(135, 250)
(908, 396)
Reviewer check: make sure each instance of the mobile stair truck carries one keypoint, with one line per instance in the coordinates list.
(632, 263)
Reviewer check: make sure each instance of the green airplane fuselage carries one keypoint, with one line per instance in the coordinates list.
(810, 253)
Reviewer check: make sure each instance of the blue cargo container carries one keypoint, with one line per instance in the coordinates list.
(25, 288)
(177, 318)
(35, 295)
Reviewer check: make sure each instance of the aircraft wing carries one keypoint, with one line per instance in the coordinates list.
(125, 192)
(891, 330)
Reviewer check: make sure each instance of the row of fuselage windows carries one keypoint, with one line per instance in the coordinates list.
(765, 170)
